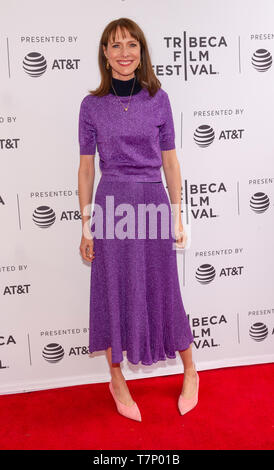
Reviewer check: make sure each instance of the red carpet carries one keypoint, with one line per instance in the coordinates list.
(235, 411)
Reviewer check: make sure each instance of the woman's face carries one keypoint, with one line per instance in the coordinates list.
(123, 55)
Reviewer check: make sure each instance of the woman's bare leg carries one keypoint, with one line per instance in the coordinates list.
(190, 376)
(118, 381)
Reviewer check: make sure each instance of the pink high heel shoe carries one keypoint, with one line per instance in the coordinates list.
(131, 411)
(186, 404)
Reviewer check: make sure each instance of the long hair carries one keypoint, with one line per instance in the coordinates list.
(145, 74)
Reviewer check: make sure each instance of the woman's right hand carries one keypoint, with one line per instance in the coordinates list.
(86, 249)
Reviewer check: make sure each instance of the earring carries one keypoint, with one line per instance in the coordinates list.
(139, 66)
(107, 66)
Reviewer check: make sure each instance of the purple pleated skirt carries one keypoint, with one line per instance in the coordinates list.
(135, 298)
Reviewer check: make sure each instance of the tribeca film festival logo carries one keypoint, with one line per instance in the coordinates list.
(202, 327)
(191, 55)
(195, 53)
(199, 198)
(35, 64)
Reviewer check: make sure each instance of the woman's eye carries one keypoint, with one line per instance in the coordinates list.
(117, 45)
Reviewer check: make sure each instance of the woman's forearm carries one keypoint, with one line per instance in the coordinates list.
(174, 184)
(85, 191)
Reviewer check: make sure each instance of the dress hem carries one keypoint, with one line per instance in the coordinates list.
(169, 356)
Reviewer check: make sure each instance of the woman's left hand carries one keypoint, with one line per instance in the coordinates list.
(180, 235)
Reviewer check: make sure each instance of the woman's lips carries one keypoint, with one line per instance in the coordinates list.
(126, 64)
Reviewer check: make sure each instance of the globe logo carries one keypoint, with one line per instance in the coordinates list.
(204, 135)
(34, 64)
(258, 331)
(261, 60)
(259, 202)
(43, 216)
(205, 273)
(53, 353)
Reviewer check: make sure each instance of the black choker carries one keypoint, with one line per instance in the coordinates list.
(124, 87)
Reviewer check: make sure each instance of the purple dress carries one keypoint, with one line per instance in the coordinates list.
(135, 298)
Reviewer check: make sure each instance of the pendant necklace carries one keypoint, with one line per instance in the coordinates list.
(129, 97)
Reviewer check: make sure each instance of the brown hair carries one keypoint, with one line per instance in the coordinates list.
(145, 74)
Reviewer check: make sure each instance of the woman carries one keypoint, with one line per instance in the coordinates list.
(135, 301)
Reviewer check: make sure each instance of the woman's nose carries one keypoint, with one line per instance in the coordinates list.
(125, 52)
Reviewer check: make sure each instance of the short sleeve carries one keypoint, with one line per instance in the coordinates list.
(166, 130)
(86, 131)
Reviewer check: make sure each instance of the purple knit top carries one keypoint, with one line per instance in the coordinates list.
(129, 142)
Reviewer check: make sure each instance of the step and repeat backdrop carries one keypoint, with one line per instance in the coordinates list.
(215, 60)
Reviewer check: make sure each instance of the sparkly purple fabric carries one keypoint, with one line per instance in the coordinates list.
(129, 142)
(135, 298)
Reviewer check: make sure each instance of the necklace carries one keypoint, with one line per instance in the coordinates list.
(129, 97)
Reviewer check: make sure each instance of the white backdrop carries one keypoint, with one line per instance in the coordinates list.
(215, 60)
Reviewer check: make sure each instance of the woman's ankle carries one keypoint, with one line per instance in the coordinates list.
(190, 367)
(117, 375)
